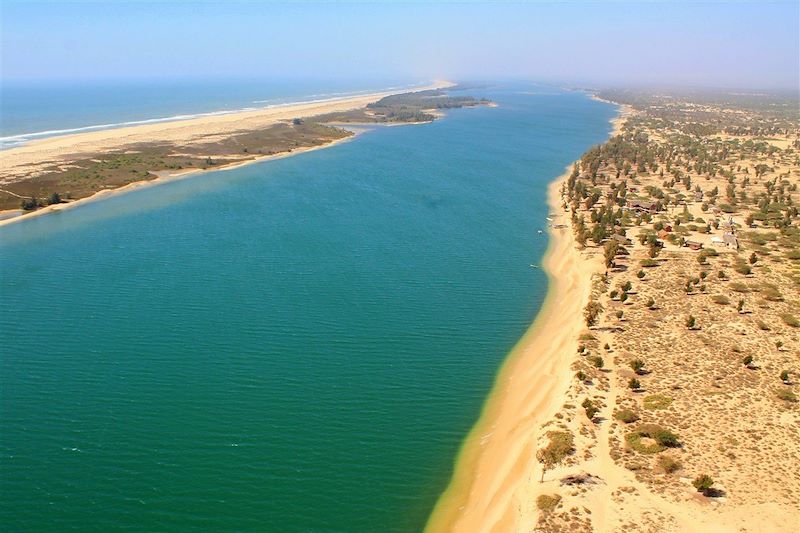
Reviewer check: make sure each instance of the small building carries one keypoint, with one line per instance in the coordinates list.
(663, 234)
(643, 206)
(730, 240)
(694, 245)
(716, 240)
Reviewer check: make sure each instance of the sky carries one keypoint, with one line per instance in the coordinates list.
(733, 44)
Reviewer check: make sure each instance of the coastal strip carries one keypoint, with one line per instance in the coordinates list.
(36, 157)
(497, 459)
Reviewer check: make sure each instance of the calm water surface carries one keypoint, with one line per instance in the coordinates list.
(293, 346)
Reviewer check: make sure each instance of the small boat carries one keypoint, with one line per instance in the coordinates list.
(539, 231)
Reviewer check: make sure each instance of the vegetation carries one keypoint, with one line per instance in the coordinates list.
(559, 447)
(703, 483)
(790, 320)
(651, 438)
(637, 365)
(547, 502)
(657, 401)
(627, 416)
(669, 465)
(592, 312)
(787, 395)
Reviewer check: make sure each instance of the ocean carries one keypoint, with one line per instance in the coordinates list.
(297, 345)
(34, 110)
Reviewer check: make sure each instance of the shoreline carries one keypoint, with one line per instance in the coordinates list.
(497, 456)
(190, 127)
(161, 178)
(497, 460)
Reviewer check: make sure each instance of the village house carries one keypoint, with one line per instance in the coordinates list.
(694, 245)
(643, 206)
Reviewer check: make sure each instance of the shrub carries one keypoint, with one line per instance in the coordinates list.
(669, 465)
(29, 204)
(790, 320)
(739, 287)
(743, 268)
(592, 312)
(666, 438)
(690, 321)
(637, 365)
(772, 293)
(547, 502)
(762, 325)
(787, 395)
(649, 263)
(651, 303)
(720, 299)
(559, 446)
(597, 361)
(640, 274)
(748, 360)
(581, 376)
(703, 483)
(634, 384)
(627, 416)
(785, 376)
(662, 438)
(657, 401)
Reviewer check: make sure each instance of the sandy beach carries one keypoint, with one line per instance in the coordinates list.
(497, 460)
(28, 157)
(498, 456)
(606, 483)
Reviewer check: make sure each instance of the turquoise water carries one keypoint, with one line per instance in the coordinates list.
(298, 345)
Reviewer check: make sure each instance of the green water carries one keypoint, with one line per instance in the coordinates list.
(293, 346)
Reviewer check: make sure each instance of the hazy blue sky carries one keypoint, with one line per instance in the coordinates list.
(720, 44)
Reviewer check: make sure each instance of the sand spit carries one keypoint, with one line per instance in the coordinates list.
(32, 157)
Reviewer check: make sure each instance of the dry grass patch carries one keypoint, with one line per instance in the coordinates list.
(548, 502)
(657, 401)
